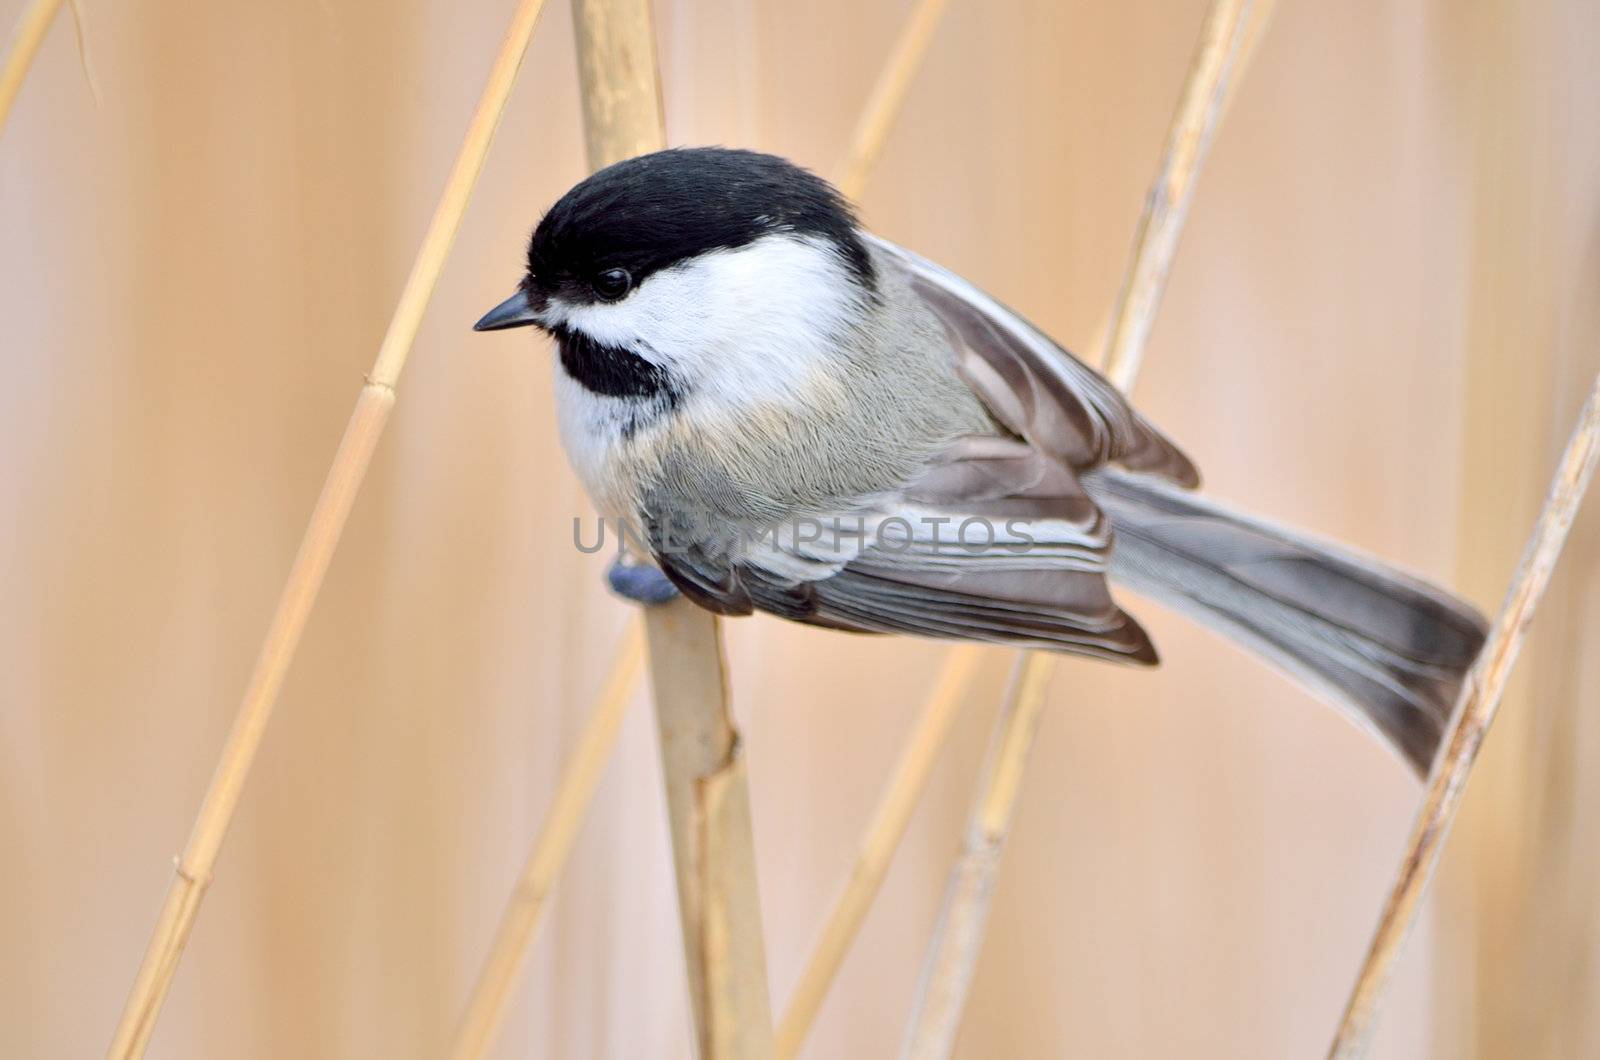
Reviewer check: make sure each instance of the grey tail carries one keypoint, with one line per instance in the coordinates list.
(1389, 650)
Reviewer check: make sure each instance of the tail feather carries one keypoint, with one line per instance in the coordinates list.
(1388, 649)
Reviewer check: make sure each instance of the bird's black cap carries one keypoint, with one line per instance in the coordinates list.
(653, 211)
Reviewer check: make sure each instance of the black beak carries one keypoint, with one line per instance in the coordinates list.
(514, 312)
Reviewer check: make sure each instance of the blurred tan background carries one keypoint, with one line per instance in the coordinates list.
(1381, 324)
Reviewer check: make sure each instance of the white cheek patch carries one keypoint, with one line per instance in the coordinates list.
(736, 326)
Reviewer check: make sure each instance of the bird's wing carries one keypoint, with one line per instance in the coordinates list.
(1034, 387)
(996, 541)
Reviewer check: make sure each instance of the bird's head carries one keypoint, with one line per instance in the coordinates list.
(693, 268)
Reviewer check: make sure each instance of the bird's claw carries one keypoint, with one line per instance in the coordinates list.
(641, 583)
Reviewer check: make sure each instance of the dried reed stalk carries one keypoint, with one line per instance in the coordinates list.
(486, 1008)
(713, 846)
(26, 36)
(350, 461)
(1167, 207)
(947, 972)
(1474, 712)
(888, 94)
(1256, 24)
(708, 801)
(957, 940)
(882, 838)
(519, 924)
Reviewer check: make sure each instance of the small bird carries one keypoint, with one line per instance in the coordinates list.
(802, 418)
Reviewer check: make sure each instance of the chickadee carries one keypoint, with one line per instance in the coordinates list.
(742, 367)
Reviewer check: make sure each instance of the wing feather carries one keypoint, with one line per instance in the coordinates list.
(1035, 387)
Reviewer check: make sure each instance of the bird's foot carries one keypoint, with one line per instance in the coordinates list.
(641, 583)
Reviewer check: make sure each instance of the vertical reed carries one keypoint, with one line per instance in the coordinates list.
(957, 940)
(195, 866)
(485, 1009)
(713, 843)
(708, 801)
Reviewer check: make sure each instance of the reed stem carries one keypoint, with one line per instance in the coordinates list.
(1171, 193)
(486, 1007)
(345, 475)
(957, 940)
(713, 842)
(708, 800)
(26, 37)
(519, 923)
(876, 851)
(888, 96)
(948, 969)
(1474, 713)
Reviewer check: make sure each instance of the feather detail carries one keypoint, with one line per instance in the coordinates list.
(1033, 386)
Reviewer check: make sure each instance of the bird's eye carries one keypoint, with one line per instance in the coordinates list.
(612, 284)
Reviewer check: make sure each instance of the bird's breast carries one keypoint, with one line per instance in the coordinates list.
(606, 438)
